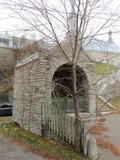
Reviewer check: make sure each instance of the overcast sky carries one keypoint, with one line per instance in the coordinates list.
(14, 25)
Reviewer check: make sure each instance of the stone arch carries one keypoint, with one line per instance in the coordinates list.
(62, 87)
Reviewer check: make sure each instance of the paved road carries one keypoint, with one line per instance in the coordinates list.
(113, 124)
(10, 151)
(106, 154)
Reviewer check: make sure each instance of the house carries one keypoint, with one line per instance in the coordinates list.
(104, 51)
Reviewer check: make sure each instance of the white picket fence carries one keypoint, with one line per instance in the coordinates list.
(60, 124)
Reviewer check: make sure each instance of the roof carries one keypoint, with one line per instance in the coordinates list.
(103, 46)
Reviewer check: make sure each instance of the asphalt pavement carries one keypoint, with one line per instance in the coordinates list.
(10, 151)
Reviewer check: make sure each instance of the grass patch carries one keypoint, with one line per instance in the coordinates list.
(46, 147)
(115, 101)
(102, 69)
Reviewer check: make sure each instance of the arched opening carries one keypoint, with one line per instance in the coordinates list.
(62, 88)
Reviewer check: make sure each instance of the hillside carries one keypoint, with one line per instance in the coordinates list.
(102, 69)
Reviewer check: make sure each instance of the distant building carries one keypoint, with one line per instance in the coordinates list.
(104, 51)
(12, 41)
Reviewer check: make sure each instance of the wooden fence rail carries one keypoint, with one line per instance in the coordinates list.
(59, 123)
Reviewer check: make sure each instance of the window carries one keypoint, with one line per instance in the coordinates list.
(4, 42)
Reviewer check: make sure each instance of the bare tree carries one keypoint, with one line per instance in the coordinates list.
(80, 24)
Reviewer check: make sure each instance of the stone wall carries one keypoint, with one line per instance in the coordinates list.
(107, 57)
(33, 86)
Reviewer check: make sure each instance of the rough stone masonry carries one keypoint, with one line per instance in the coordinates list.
(33, 84)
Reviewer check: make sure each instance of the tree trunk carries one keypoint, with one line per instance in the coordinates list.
(76, 107)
